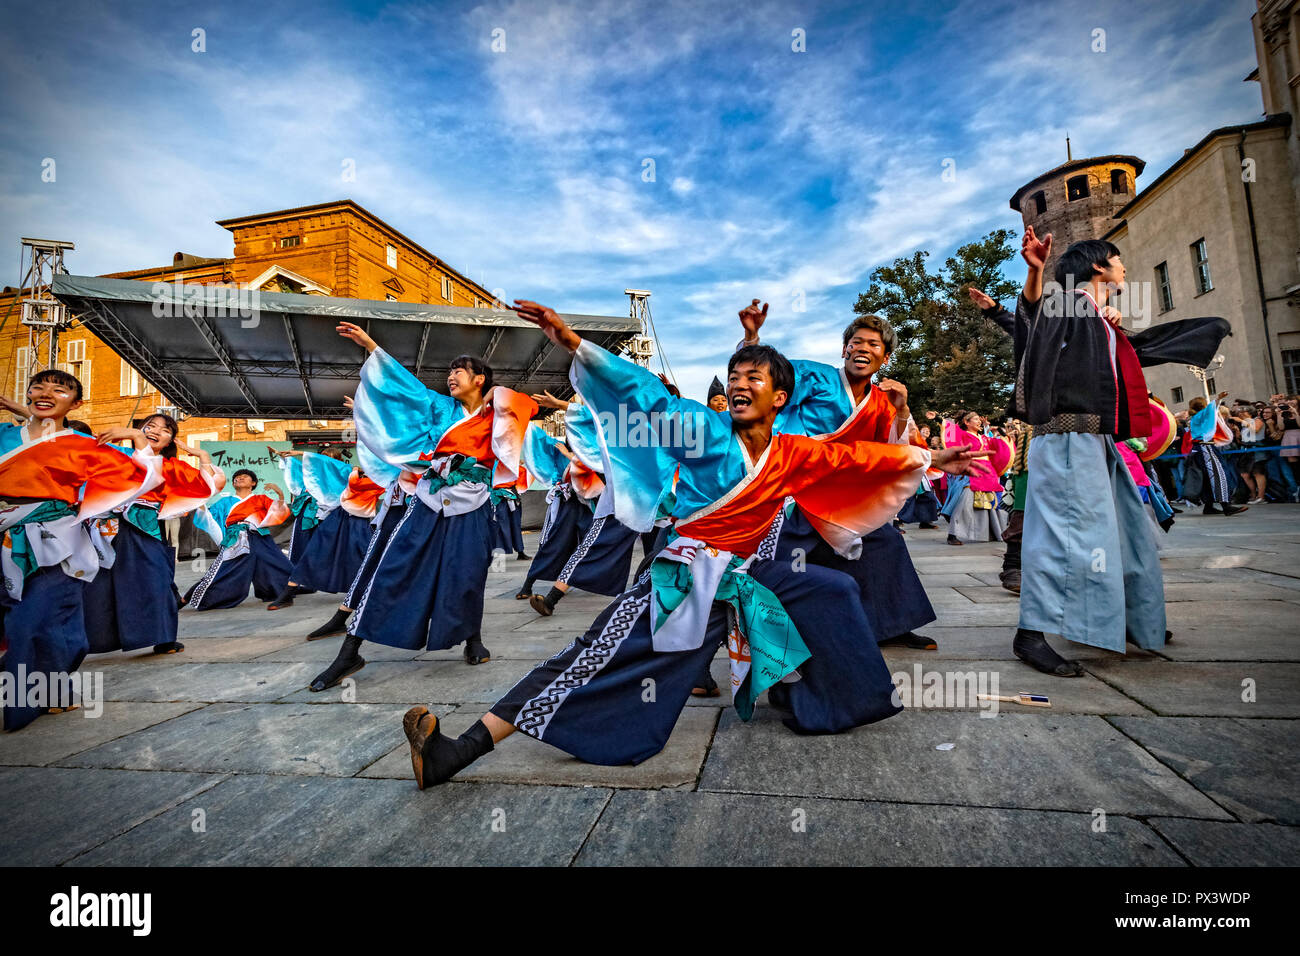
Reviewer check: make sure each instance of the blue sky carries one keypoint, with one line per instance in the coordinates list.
(777, 174)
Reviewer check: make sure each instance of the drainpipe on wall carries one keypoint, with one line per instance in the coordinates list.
(1259, 272)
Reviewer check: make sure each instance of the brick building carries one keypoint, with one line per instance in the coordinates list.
(335, 249)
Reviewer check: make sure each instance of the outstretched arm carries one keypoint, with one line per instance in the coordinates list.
(751, 320)
(552, 326)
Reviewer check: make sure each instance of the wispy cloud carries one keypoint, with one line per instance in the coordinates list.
(513, 138)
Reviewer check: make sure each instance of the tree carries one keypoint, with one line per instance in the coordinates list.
(948, 355)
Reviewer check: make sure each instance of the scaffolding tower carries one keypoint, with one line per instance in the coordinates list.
(44, 315)
(640, 348)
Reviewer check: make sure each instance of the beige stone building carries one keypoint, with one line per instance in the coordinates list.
(1204, 239)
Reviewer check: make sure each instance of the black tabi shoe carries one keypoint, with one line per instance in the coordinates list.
(524, 593)
(909, 639)
(285, 599)
(338, 624)
(545, 606)
(436, 759)
(1230, 510)
(476, 653)
(1032, 648)
(171, 647)
(1210, 510)
(954, 540)
(926, 526)
(345, 665)
(1011, 580)
(520, 556)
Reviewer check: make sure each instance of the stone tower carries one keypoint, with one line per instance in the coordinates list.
(1077, 200)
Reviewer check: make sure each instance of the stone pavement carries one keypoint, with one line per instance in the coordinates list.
(220, 754)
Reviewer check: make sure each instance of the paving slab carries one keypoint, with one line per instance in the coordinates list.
(1240, 641)
(334, 740)
(674, 828)
(1248, 766)
(1174, 688)
(255, 820)
(53, 737)
(513, 645)
(1210, 843)
(931, 682)
(1064, 762)
(424, 682)
(521, 759)
(208, 681)
(323, 651)
(989, 595)
(80, 809)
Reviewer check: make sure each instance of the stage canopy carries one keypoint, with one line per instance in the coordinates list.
(219, 351)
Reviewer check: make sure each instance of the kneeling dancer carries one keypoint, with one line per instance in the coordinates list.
(588, 699)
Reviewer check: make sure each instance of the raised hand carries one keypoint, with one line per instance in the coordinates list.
(958, 461)
(980, 299)
(752, 319)
(10, 405)
(271, 486)
(549, 321)
(896, 392)
(347, 402)
(1035, 251)
(1112, 315)
(357, 334)
(547, 400)
(122, 433)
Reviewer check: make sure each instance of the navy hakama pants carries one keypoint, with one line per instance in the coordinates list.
(508, 527)
(133, 604)
(922, 509)
(44, 633)
(592, 699)
(602, 560)
(892, 596)
(379, 538)
(427, 591)
(572, 520)
(227, 580)
(331, 561)
(300, 538)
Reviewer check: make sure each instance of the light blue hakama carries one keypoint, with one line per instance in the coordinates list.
(1090, 569)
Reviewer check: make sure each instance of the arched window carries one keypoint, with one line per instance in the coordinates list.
(1118, 181)
(1040, 202)
(1076, 187)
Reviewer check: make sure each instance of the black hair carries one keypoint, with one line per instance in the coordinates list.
(243, 471)
(170, 450)
(58, 377)
(1078, 263)
(875, 323)
(475, 366)
(77, 425)
(778, 366)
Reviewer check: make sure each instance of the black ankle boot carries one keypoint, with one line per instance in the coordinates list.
(436, 759)
(347, 663)
(335, 625)
(475, 652)
(1032, 648)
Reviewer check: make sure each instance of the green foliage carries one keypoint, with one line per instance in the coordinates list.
(948, 355)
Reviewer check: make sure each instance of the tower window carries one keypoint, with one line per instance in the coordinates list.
(1076, 187)
(392, 257)
(288, 242)
(446, 288)
(1040, 202)
(1118, 181)
(1177, 394)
